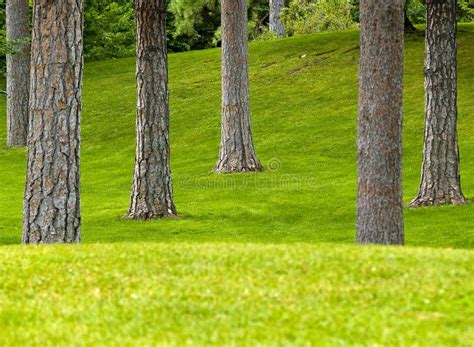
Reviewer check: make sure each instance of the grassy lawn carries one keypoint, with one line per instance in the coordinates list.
(262, 258)
(236, 294)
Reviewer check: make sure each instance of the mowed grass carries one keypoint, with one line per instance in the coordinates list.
(254, 259)
(304, 113)
(235, 294)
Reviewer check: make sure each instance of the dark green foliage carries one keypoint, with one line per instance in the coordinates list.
(192, 24)
(466, 10)
(109, 29)
(195, 24)
(417, 13)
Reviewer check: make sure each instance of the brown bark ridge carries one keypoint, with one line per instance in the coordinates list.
(152, 193)
(18, 72)
(52, 211)
(276, 25)
(440, 177)
(379, 146)
(237, 153)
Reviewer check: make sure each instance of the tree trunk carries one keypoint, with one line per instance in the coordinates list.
(18, 72)
(52, 197)
(237, 152)
(379, 198)
(276, 25)
(152, 194)
(440, 182)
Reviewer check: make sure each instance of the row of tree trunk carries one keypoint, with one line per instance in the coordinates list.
(52, 104)
(52, 211)
(379, 198)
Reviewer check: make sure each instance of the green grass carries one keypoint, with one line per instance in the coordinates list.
(236, 294)
(262, 258)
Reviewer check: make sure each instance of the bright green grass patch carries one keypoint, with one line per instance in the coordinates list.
(304, 109)
(235, 294)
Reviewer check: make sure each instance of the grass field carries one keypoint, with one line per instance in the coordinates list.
(258, 258)
(235, 294)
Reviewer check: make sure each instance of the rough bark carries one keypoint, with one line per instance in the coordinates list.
(52, 211)
(152, 194)
(276, 25)
(237, 153)
(18, 72)
(440, 181)
(379, 198)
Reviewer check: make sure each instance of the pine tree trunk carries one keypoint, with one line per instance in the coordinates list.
(237, 152)
(276, 25)
(52, 197)
(18, 72)
(152, 194)
(440, 181)
(379, 199)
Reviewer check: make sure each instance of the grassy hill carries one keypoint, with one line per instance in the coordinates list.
(304, 108)
(211, 275)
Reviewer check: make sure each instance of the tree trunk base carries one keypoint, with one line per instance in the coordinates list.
(425, 201)
(226, 167)
(151, 215)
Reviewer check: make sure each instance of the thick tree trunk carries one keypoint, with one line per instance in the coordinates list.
(440, 181)
(18, 72)
(152, 194)
(52, 211)
(237, 152)
(276, 25)
(379, 199)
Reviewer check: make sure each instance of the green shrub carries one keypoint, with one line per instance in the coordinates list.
(109, 30)
(416, 11)
(466, 10)
(303, 16)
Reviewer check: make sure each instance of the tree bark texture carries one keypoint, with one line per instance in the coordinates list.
(276, 25)
(18, 72)
(237, 153)
(52, 211)
(440, 181)
(379, 199)
(152, 193)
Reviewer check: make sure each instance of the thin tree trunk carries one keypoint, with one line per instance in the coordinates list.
(379, 199)
(52, 211)
(18, 72)
(276, 25)
(237, 152)
(440, 181)
(152, 194)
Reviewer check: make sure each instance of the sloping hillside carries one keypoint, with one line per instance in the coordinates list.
(304, 106)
